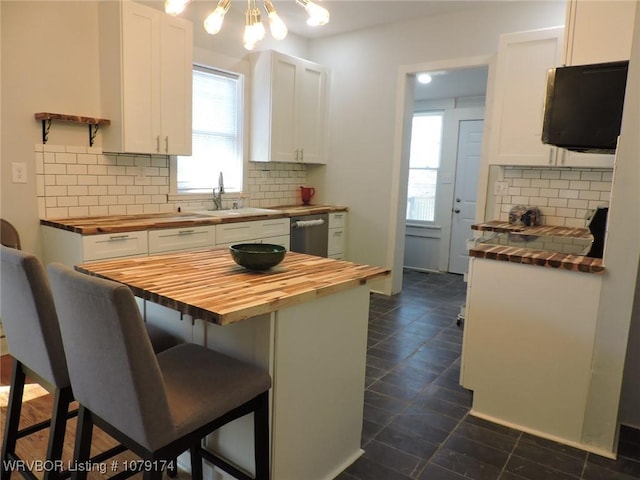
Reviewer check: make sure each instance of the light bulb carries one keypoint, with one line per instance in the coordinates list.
(276, 25)
(175, 7)
(213, 22)
(317, 15)
(254, 30)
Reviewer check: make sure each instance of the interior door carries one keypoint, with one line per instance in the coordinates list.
(465, 192)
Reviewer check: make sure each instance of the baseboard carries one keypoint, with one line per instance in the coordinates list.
(537, 433)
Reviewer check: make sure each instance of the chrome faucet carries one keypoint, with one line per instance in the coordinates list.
(217, 198)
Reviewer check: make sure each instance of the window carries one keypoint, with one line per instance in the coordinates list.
(217, 134)
(424, 161)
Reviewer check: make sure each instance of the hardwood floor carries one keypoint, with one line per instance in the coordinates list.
(37, 406)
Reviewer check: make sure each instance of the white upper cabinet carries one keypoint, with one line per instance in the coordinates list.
(520, 84)
(523, 61)
(598, 31)
(146, 59)
(289, 101)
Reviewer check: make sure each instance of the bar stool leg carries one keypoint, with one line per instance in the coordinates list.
(261, 442)
(63, 398)
(14, 410)
(82, 447)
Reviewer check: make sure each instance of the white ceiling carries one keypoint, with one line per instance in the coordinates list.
(346, 15)
(463, 82)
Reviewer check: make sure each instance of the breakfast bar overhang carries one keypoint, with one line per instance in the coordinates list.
(304, 320)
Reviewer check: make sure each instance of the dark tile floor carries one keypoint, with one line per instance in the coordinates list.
(416, 417)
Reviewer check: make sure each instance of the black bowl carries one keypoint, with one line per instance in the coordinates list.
(257, 256)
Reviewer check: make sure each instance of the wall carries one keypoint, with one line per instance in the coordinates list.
(74, 181)
(622, 257)
(564, 196)
(49, 64)
(49, 57)
(361, 172)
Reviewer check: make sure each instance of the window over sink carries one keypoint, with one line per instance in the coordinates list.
(217, 135)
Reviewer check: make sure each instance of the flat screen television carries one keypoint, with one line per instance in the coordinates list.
(583, 106)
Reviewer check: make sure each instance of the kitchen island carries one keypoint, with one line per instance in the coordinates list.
(304, 320)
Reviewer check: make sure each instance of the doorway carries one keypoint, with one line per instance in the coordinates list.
(439, 243)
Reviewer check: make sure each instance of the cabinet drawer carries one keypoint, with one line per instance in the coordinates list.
(235, 232)
(181, 238)
(272, 228)
(282, 240)
(337, 220)
(112, 245)
(336, 241)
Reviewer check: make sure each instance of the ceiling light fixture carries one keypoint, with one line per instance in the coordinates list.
(424, 78)
(254, 29)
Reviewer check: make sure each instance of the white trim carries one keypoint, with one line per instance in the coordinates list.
(538, 433)
(404, 107)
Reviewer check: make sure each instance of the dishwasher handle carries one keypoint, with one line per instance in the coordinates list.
(307, 223)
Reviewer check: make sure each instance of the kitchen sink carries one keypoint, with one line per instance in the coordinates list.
(236, 212)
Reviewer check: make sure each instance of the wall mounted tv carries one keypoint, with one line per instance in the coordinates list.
(583, 106)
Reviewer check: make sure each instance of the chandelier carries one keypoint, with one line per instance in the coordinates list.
(254, 29)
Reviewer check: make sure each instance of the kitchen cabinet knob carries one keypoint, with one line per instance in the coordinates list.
(458, 200)
(158, 143)
(166, 144)
(457, 210)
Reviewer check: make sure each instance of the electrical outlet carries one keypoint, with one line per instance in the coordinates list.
(19, 172)
(500, 188)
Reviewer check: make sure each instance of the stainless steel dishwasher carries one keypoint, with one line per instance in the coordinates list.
(310, 234)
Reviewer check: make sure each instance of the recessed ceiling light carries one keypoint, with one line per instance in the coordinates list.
(424, 78)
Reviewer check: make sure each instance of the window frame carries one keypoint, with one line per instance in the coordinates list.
(176, 195)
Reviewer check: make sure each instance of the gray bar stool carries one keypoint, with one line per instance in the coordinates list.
(158, 406)
(9, 236)
(33, 335)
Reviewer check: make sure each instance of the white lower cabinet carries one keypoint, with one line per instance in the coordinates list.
(337, 234)
(73, 248)
(176, 239)
(274, 231)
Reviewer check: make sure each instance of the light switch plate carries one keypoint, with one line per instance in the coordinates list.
(18, 172)
(500, 188)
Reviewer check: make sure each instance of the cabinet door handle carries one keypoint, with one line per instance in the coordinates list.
(158, 143)
(118, 237)
(166, 144)
(302, 154)
(186, 232)
(551, 152)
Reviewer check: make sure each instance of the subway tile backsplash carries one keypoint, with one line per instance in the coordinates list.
(564, 196)
(74, 181)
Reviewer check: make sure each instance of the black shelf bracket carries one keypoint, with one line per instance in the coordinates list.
(46, 126)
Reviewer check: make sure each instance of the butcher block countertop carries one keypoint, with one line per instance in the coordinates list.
(545, 246)
(130, 223)
(207, 284)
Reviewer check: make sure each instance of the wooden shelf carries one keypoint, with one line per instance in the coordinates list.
(93, 123)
